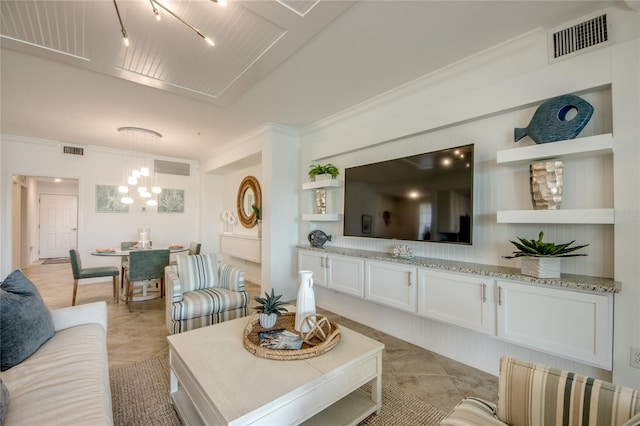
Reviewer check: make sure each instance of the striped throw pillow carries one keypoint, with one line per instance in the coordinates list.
(197, 272)
(533, 394)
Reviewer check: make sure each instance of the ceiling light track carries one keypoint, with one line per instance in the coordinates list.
(197, 31)
(156, 13)
(122, 30)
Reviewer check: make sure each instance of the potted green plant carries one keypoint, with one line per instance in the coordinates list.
(270, 308)
(541, 259)
(258, 212)
(323, 171)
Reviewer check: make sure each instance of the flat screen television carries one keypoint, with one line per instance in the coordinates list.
(424, 197)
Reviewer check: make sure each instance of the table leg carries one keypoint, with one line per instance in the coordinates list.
(173, 380)
(376, 385)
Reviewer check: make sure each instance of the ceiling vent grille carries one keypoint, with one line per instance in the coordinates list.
(72, 150)
(580, 36)
(172, 168)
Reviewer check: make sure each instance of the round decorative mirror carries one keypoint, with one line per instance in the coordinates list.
(248, 195)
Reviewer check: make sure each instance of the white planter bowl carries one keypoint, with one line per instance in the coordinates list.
(268, 321)
(540, 267)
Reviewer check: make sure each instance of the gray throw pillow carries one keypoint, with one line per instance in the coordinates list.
(4, 400)
(25, 322)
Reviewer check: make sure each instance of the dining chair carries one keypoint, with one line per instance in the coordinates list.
(80, 273)
(144, 266)
(124, 260)
(194, 248)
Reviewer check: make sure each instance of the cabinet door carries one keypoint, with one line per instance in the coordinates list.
(567, 323)
(309, 260)
(391, 284)
(345, 274)
(463, 300)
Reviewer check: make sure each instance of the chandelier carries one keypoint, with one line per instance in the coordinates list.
(156, 13)
(136, 175)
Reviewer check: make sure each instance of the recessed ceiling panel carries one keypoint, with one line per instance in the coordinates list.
(251, 39)
(171, 52)
(301, 7)
(56, 25)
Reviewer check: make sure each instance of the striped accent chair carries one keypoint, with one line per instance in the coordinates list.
(535, 395)
(201, 290)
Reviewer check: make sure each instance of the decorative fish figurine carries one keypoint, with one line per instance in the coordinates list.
(551, 121)
(317, 238)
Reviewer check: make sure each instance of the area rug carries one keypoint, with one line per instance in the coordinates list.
(56, 260)
(139, 393)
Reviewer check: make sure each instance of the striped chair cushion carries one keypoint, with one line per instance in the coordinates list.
(532, 394)
(197, 272)
(194, 323)
(472, 412)
(207, 301)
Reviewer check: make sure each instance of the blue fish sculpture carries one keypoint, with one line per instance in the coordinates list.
(551, 123)
(317, 238)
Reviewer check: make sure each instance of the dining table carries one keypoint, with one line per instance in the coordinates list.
(146, 292)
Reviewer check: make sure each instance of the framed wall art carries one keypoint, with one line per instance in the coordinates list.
(171, 201)
(108, 200)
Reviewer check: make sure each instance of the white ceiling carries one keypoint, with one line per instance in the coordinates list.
(66, 75)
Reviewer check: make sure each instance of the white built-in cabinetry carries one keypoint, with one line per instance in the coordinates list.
(570, 323)
(460, 299)
(326, 184)
(391, 284)
(334, 271)
(574, 148)
(245, 247)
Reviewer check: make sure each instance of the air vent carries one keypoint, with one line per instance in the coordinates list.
(578, 37)
(172, 168)
(73, 150)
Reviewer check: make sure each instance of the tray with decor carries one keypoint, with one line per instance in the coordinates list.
(320, 339)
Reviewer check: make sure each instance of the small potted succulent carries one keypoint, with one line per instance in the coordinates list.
(270, 308)
(540, 259)
(323, 171)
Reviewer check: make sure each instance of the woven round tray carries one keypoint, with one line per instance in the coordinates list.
(287, 321)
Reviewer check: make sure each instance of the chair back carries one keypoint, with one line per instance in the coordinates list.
(194, 248)
(147, 264)
(127, 245)
(76, 263)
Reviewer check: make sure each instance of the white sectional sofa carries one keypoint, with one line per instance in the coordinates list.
(66, 381)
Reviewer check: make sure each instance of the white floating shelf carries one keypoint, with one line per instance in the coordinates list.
(328, 217)
(572, 148)
(326, 183)
(565, 216)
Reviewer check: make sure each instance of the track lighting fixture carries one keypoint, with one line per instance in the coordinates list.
(154, 3)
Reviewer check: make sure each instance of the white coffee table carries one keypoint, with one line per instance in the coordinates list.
(216, 381)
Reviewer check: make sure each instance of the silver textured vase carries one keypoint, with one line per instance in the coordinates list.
(546, 178)
(321, 201)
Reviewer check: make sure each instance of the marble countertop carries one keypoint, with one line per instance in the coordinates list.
(569, 281)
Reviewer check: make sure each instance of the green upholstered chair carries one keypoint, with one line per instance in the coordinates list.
(144, 266)
(194, 248)
(80, 273)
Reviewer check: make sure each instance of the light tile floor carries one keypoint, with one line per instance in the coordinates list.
(142, 334)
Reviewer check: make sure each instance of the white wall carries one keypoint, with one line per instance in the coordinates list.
(276, 149)
(31, 157)
(232, 182)
(481, 101)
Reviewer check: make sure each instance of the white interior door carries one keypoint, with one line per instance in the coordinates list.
(58, 225)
